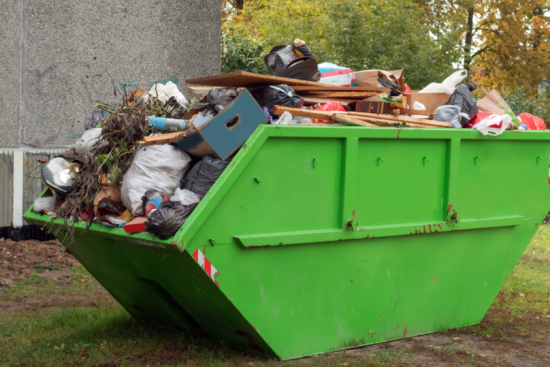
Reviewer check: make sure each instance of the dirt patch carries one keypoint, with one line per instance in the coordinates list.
(513, 345)
(93, 299)
(19, 259)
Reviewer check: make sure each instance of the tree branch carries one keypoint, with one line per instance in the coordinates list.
(479, 52)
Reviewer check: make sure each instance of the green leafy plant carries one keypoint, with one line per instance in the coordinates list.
(239, 53)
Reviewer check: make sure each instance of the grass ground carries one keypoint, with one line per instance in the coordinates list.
(75, 322)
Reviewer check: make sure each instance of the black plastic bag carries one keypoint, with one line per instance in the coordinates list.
(280, 95)
(203, 175)
(216, 100)
(462, 97)
(282, 61)
(279, 58)
(165, 221)
(303, 49)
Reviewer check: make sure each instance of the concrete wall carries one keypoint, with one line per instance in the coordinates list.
(58, 57)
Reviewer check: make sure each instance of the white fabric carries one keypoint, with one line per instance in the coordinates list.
(83, 146)
(448, 86)
(164, 91)
(45, 203)
(159, 167)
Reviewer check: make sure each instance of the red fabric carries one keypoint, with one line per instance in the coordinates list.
(136, 225)
(480, 116)
(87, 215)
(532, 122)
(407, 89)
(332, 106)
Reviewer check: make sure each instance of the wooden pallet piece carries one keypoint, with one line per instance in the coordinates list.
(381, 120)
(347, 119)
(397, 119)
(335, 88)
(331, 94)
(161, 139)
(246, 79)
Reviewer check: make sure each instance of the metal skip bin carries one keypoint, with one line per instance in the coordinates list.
(316, 239)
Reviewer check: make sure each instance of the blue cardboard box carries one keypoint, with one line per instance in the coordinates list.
(224, 134)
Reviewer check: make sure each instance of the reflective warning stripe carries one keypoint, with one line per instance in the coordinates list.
(205, 264)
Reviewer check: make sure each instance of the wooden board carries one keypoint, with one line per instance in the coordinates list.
(246, 79)
(308, 101)
(331, 94)
(397, 119)
(430, 100)
(320, 115)
(385, 120)
(347, 119)
(161, 139)
(325, 87)
(200, 90)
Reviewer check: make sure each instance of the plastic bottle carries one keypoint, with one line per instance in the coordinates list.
(168, 124)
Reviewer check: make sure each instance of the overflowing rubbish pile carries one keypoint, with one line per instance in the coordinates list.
(148, 165)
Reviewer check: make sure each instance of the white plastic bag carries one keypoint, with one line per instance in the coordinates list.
(83, 146)
(450, 114)
(164, 91)
(503, 121)
(159, 167)
(185, 197)
(448, 86)
(419, 107)
(287, 119)
(45, 203)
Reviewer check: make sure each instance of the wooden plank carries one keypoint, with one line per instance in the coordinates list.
(326, 87)
(331, 94)
(320, 115)
(382, 122)
(246, 79)
(311, 101)
(347, 119)
(412, 112)
(430, 123)
(388, 120)
(160, 139)
(430, 100)
(200, 90)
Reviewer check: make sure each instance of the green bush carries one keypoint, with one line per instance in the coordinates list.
(241, 54)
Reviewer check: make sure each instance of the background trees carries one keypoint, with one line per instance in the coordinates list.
(503, 43)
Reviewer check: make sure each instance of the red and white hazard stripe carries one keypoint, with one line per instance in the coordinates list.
(205, 264)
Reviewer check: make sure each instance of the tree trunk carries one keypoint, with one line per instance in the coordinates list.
(537, 13)
(468, 41)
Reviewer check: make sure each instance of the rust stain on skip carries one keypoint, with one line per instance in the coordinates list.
(449, 209)
(405, 333)
(398, 132)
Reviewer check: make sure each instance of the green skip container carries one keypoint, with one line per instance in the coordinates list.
(321, 238)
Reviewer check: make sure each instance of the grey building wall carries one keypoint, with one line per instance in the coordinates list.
(59, 57)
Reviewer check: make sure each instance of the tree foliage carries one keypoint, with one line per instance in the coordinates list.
(503, 43)
(372, 34)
